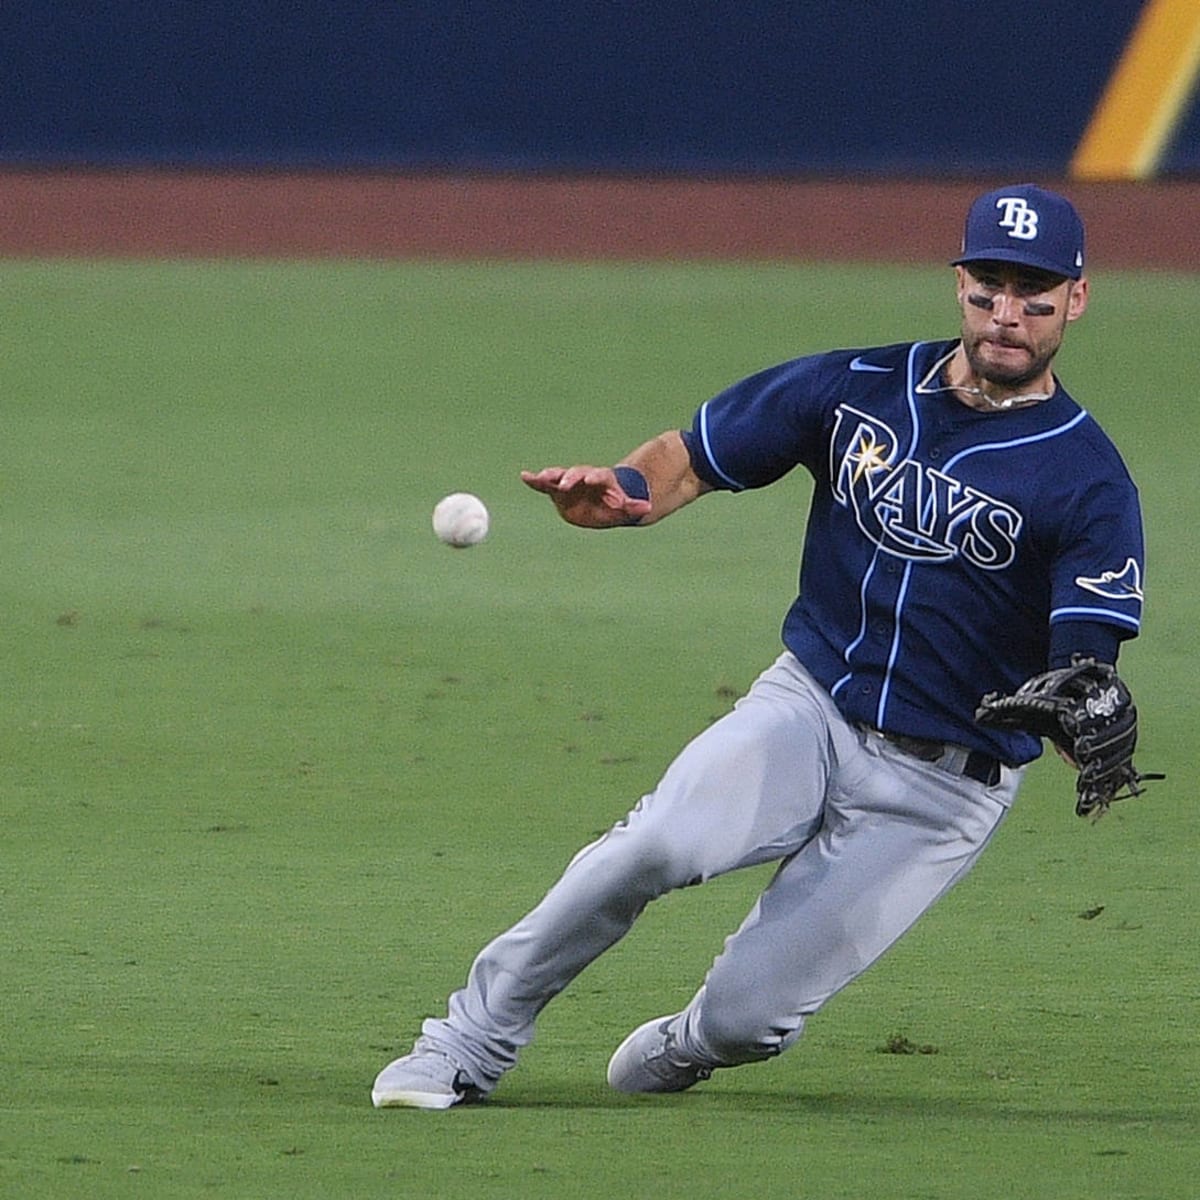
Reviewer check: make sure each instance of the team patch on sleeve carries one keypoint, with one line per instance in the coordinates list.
(1125, 584)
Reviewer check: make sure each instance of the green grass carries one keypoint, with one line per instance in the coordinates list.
(274, 763)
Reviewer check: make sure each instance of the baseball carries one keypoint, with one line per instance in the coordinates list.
(461, 520)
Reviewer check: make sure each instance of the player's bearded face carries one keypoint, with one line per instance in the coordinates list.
(1011, 364)
(1013, 324)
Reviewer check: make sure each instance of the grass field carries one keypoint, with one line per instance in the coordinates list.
(275, 763)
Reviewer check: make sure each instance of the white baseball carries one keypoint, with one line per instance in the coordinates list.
(461, 520)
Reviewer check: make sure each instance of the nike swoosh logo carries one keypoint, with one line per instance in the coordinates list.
(857, 364)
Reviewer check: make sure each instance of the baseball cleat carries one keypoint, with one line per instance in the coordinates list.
(648, 1060)
(423, 1079)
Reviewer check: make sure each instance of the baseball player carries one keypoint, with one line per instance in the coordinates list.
(971, 527)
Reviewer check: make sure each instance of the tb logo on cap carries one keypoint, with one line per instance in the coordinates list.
(1019, 219)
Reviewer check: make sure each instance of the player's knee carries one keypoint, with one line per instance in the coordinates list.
(654, 856)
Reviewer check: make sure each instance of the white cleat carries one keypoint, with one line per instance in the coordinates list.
(423, 1079)
(648, 1060)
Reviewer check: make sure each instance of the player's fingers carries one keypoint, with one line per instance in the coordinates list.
(544, 480)
(585, 476)
(587, 495)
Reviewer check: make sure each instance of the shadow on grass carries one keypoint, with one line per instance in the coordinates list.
(849, 1106)
(97, 1083)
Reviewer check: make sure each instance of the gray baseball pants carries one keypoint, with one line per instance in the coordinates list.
(867, 838)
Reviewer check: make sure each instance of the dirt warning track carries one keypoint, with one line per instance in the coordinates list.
(379, 215)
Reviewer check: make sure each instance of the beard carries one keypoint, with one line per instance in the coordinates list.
(1014, 375)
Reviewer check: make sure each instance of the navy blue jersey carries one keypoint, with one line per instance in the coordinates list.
(943, 543)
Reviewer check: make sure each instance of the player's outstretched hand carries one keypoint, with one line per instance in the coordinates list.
(587, 496)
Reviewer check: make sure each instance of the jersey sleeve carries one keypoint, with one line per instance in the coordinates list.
(1098, 572)
(1092, 639)
(756, 431)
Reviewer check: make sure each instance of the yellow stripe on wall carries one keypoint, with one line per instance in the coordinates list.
(1145, 96)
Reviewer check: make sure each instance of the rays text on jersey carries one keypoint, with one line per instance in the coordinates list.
(912, 510)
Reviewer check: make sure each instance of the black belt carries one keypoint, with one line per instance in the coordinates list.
(982, 768)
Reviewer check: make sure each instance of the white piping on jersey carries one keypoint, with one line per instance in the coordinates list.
(915, 422)
(894, 652)
(708, 450)
(1022, 441)
(911, 391)
(862, 625)
(1106, 613)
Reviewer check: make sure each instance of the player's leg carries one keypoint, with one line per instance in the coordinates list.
(898, 833)
(899, 839)
(749, 789)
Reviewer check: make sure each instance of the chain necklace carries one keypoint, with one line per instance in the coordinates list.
(927, 388)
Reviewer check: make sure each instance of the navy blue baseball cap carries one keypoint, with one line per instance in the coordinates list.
(1024, 224)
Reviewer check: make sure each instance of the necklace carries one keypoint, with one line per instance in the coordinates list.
(927, 388)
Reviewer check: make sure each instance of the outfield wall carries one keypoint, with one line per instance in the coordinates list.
(934, 88)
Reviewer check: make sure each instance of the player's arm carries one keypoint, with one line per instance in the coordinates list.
(648, 484)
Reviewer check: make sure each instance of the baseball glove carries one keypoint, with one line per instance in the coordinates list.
(1087, 712)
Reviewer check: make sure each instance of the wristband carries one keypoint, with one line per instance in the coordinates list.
(633, 483)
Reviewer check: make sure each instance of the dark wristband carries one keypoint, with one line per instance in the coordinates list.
(633, 483)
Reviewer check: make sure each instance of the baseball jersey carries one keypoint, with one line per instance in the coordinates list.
(943, 543)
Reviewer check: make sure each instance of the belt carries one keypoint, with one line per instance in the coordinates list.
(972, 764)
